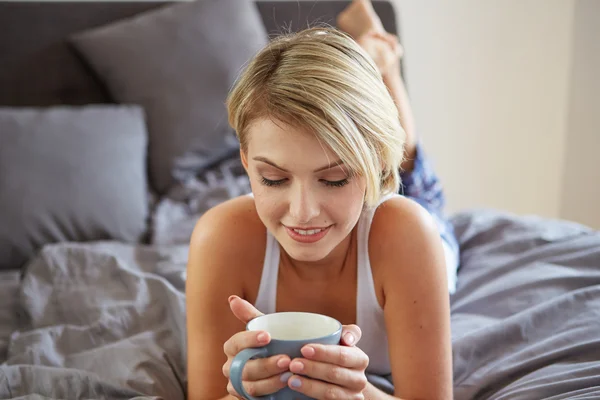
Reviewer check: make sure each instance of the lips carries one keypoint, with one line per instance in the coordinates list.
(308, 231)
(307, 235)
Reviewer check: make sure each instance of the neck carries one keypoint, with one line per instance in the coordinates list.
(327, 269)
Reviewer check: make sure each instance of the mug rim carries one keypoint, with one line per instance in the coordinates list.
(338, 330)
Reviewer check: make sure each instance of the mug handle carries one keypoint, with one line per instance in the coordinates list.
(237, 366)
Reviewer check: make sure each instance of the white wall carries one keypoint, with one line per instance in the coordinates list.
(581, 180)
(489, 86)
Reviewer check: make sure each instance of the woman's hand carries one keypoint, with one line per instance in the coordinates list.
(330, 372)
(262, 376)
(265, 376)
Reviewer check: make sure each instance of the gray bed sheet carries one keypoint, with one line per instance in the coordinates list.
(106, 320)
(526, 315)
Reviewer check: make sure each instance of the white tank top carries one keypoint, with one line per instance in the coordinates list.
(369, 314)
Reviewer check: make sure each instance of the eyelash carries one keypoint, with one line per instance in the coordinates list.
(269, 182)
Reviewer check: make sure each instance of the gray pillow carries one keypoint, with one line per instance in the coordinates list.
(179, 63)
(70, 174)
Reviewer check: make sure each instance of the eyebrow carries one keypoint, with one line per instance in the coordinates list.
(338, 163)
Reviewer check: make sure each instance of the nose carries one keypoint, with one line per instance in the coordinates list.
(304, 204)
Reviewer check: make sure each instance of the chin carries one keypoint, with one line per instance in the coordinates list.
(306, 252)
(309, 253)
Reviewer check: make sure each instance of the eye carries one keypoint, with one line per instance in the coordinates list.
(269, 182)
(340, 183)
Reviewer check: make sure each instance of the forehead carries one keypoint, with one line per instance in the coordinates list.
(291, 141)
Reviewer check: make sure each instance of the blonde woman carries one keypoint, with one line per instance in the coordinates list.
(318, 115)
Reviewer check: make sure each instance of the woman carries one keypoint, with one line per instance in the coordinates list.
(324, 230)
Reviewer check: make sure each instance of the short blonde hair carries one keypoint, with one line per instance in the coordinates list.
(320, 79)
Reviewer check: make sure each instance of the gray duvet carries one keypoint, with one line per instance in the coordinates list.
(106, 320)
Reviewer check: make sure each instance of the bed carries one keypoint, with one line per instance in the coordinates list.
(101, 183)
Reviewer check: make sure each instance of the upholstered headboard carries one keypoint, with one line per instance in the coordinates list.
(37, 68)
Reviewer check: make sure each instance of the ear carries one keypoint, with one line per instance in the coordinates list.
(244, 159)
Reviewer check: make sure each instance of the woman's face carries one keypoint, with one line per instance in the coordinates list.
(305, 198)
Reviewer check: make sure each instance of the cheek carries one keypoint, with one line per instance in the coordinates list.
(268, 205)
(356, 194)
(348, 204)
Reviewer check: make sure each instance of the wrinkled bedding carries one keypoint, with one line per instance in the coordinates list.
(526, 315)
(106, 320)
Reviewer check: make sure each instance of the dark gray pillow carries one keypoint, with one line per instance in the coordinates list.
(179, 62)
(70, 174)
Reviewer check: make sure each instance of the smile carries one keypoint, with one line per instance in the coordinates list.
(308, 232)
(311, 235)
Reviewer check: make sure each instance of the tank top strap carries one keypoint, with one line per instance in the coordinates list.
(369, 314)
(266, 300)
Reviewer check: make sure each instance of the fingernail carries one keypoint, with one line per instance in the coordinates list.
(349, 338)
(296, 366)
(308, 351)
(231, 298)
(262, 337)
(295, 382)
(283, 362)
(285, 377)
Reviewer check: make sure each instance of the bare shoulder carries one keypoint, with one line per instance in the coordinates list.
(401, 226)
(232, 226)
(406, 248)
(406, 253)
(232, 215)
(230, 239)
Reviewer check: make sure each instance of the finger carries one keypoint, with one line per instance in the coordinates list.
(243, 310)
(262, 368)
(347, 378)
(245, 339)
(348, 357)
(265, 368)
(351, 334)
(232, 391)
(321, 390)
(262, 387)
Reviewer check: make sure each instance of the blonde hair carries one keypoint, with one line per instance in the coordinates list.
(322, 80)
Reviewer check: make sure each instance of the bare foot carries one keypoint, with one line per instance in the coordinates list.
(359, 18)
(384, 49)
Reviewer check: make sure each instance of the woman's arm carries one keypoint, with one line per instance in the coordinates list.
(214, 272)
(405, 246)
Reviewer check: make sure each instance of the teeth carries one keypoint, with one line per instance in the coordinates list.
(309, 232)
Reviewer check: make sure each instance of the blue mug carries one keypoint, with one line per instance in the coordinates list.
(290, 331)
